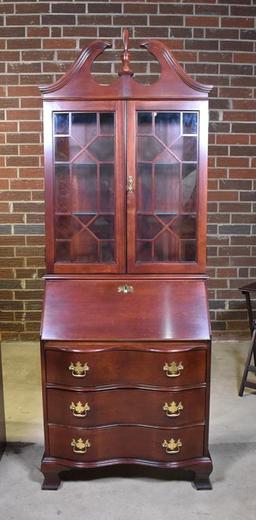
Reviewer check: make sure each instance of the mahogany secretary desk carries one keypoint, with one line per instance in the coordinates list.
(125, 337)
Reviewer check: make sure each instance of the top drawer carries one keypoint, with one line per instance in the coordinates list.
(126, 368)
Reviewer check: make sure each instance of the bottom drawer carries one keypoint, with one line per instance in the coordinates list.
(120, 442)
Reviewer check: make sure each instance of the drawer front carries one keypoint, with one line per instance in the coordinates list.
(120, 442)
(123, 367)
(129, 406)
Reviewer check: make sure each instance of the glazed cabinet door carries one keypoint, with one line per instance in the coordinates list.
(84, 150)
(166, 176)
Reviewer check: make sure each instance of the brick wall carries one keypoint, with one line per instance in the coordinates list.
(214, 40)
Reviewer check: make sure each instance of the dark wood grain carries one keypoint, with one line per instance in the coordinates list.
(126, 368)
(120, 442)
(95, 310)
(144, 407)
(126, 337)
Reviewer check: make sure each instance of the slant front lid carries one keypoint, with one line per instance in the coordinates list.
(120, 309)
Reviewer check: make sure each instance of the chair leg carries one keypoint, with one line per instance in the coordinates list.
(252, 351)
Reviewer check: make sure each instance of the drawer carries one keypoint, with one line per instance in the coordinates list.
(126, 442)
(126, 368)
(126, 406)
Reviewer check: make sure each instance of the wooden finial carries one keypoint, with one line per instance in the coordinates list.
(125, 70)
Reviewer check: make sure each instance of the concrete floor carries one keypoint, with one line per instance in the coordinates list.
(118, 495)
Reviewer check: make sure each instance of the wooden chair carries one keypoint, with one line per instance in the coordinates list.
(249, 367)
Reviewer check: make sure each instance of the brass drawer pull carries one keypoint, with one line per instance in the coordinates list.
(125, 289)
(172, 446)
(78, 370)
(79, 409)
(172, 369)
(80, 446)
(172, 409)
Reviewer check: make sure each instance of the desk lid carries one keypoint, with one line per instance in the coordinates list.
(102, 310)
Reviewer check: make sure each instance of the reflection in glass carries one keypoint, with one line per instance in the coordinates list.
(62, 188)
(184, 226)
(144, 187)
(84, 194)
(167, 187)
(84, 247)
(84, 127)
(148, 226)
(186, 148)
(103, 226)
(107, 123)
(189, 123)
(144, 122)
(62, 250)
(166, 248)
(148, 148)
(167, 126)
(188, 250)
(144, 251)
(62, 149)
(107, 199)
(66, 226)
(107, 252)
(102, 148)
(61, 123)
(189, 179)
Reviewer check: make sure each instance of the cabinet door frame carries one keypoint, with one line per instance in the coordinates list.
(198, 266)
(61, 267)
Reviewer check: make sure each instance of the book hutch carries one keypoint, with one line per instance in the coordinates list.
(125, 338)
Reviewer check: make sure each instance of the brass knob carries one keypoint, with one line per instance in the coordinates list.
(172, 446)
(79, 409)
(78, 370)
(173, 369)
(125, 289)
(80, 446)
(172, 409)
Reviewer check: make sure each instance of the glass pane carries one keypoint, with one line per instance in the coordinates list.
(189, 123)
(61, 123)
(103, 226)
(107, 251)
(84, 127)
(107, 123)
(62, 250)
(186, 148)
(148, 226)
(166, 248)
(62, 188)
(144, 123)
(167, 183)
(184, 226)
(84, 247)
(107, 188)
(148, 148)
(66, 226)
(84, 187)
(188, 250)
(144, 251)
(61, 149)
(167, 126)
(189, 193)
(102, 148)
(144, 187)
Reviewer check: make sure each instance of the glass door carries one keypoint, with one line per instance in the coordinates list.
(165, 223)
(87, 190)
